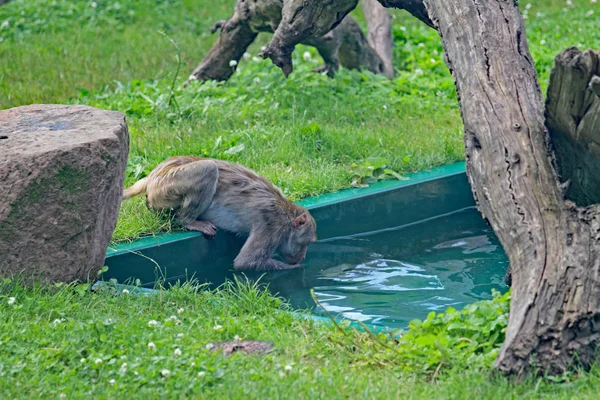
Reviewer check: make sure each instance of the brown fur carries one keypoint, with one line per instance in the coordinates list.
(208, 193)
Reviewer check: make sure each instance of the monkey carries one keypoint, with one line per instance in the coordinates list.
(206, 194)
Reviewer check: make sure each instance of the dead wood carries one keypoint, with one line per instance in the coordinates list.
(345, 44)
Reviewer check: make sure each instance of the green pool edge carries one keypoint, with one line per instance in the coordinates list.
(414, 178)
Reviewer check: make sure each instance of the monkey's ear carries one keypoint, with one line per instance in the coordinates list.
(300, 221)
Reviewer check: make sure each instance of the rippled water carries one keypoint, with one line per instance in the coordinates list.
(393, 276)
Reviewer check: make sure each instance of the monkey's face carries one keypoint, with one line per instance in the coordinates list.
(304, 232)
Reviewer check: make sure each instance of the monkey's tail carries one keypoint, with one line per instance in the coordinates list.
(138, 188)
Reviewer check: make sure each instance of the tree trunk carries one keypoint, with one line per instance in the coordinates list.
(345, 44)
(553, 246)
(380, 33)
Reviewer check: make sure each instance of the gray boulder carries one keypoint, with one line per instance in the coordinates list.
(61, 180)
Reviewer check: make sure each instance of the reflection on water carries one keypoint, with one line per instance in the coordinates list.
(393, 276)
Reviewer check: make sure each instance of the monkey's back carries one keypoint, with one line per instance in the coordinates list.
(244, 199)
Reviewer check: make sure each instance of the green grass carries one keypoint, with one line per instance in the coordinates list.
(303, 133)
(69, 343)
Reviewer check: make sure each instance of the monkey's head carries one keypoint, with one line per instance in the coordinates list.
(304, 231)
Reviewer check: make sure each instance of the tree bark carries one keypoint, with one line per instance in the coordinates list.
(380, 33)
(553, 246)
(303, 19)
(345, 44)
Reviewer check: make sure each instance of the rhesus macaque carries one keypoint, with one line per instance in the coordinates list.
(207, 194)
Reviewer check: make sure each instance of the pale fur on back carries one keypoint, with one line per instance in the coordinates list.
(237, 187)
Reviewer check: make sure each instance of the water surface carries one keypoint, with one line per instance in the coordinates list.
(392, 276)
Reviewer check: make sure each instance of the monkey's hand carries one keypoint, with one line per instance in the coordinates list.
(208, 229)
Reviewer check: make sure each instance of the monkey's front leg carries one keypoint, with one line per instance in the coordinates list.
(257, 253)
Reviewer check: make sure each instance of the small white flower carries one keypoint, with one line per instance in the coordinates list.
(192, 364)
(418, 71)
(180, 311)
(124, 367)
(153, 322)
(11, 300)
(82, 360)
(201, 374)
(172, 318)
(256, 59)
(384, 107)
(210, 346)
(402, 28)
(165, 372)
(180, 335)
(98, 361)
(57, 321)
(151, 346)
(5, 24)
(125, 291)
(247, 56)
(421, 45)
(306, 56)
(177, 352)
(590, 13)
(93, 4)
(62, 396)
(232, 63)
(528, 6)
(538, 14)
(112, 382)
(288, 367)
(237, 338)
(217, 327)
(569, 3)
(257, 80)
(593, 1)
(281, 374)
(542, 42)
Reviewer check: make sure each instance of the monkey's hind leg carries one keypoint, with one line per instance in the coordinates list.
(196, 183)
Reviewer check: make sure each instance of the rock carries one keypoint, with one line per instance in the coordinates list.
(61, 180)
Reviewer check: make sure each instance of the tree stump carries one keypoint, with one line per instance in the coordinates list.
(573, 120)
(61, 181)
